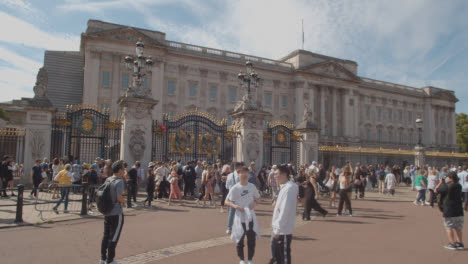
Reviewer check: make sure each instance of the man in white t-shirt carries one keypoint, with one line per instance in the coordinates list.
(313, 167)
(243, 197)
(463, 175)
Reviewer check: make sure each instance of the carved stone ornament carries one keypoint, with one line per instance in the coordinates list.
(138, 89)
(40, 89)
(137, 144)
(247, 103)
(37, 144)
(138, 111)
(253, 146)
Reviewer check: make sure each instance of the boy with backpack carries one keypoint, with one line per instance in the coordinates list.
(109, 201)
(381, 177)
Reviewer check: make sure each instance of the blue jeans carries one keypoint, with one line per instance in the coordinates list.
(232, 212)
(421, 196)
(64, 191)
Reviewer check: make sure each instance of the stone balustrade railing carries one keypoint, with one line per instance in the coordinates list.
(228, 54)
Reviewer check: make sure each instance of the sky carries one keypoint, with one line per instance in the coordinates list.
(416, 43)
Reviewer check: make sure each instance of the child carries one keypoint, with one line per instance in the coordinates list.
(243, 197)
(150, 186)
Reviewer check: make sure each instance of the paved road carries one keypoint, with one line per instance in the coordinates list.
(384, 231)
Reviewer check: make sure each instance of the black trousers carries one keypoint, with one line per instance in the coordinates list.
(344, 199)
(149, 198)
(35, 187)
(132, 190)
(311, 203)
(4, 186)
(112, 228)
(225, 193)
(189, 188)
(432, 197)
(251, 236)
(162, 191)
(202, 192)
(282, 248)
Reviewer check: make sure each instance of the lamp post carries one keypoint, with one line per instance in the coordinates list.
(140, 65)
(248, 81)
(419, 125)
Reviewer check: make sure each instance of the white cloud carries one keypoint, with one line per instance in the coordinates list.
(15, 84)
(18, 4)
(29, 35)
(19, 61)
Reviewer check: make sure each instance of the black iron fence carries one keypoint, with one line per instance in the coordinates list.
(12, 143)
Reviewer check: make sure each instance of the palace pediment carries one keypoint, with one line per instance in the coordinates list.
(444, 95)
(330, 69)
(127, 34)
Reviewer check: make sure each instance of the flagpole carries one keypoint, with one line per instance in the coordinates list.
(302, 33)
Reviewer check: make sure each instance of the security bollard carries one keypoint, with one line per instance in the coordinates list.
(84, 200)
(19, 204)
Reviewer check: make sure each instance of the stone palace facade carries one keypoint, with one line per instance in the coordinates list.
(347, 109)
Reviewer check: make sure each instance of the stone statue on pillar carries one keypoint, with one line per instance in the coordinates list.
(309, 145)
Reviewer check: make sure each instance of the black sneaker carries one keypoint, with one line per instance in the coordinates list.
(55, 210)
(459, 246)
(450, 246)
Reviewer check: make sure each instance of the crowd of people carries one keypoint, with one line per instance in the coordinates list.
(238, 187)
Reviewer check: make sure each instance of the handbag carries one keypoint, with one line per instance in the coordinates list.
(171, 179)
(44, 174)
(330, 183)
(217, 190)
(357, 182)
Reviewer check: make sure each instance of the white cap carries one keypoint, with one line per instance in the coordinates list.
(314, 163)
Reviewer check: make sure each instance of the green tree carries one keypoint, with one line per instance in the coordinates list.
(462, 132)
(3, 114)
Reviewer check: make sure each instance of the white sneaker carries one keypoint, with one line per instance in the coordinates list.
(113, 262)
(416, 203)
(198, 202)
(211, 202)
(242, 262)
(102, 262)
(250, 262)
(228, 232)
(426, 203)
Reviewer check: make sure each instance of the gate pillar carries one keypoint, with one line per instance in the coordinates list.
(308, 148)
(419, 158)
(136, 139)
(249, 145)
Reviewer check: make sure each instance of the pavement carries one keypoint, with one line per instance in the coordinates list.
(385, 230)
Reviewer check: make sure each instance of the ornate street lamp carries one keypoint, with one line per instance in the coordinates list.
(248, 81)
(140, 65)
(419, 125)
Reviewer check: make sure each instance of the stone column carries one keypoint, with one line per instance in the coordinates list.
(250, 142)
(419, 158)
(37, 140)
(92, 73)
(334, 113)
(158, 86)
(299, 87)
(322, 110)
(137, 129)
(308, 147)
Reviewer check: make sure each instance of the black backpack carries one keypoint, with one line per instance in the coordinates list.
(104, 200)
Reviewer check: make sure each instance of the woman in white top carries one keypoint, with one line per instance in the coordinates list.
(432, 182)
(56, 168)
(345, 184)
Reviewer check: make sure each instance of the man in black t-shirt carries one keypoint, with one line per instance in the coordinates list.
(92, 178)
(133, 181)
(6, 174)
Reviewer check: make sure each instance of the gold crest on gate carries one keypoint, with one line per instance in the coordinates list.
(209, 145)
(182, 143)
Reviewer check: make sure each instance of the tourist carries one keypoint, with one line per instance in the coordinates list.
(332, 186)
(6, 175)
(243, 197)
(252, 174)
(407, 176)
(451, 207)
(150, 186)
(189, 179)
(133, 182)
(232, 179)
(284, 217)
(381, 176)
(107, 170)
(432, 182)
(322, 174)
(224, 174)
(65, 181)
(36, 177)
(113, 221)
(420, 184)
(208, 183)
(175, 191)
(313, 167)
(463, 179)
(344, 181)
(198, 188)
(310, 197)
(92, 178)
(204, 179)
(45, 166)
(161, 173)
(261, 179)
(76, 173)
(358, 183)
(390, 182)
(272, 184)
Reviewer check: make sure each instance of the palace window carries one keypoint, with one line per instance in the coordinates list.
(267, 99)
(232, 95)
(410, 117)
(379, 135)
(171, 87)
(229, 121)
(105, 78)
(368, 137)
(401, 137)
(325, 105)
(390, 114)
(410, 138)
(170, 114)
(390, 136)
(367, 112)
(284, 101)
(193, 89)
(213, 93)
(400, 115)
(104, 106)
(379, 114)
(125, 79)
(145, 82)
